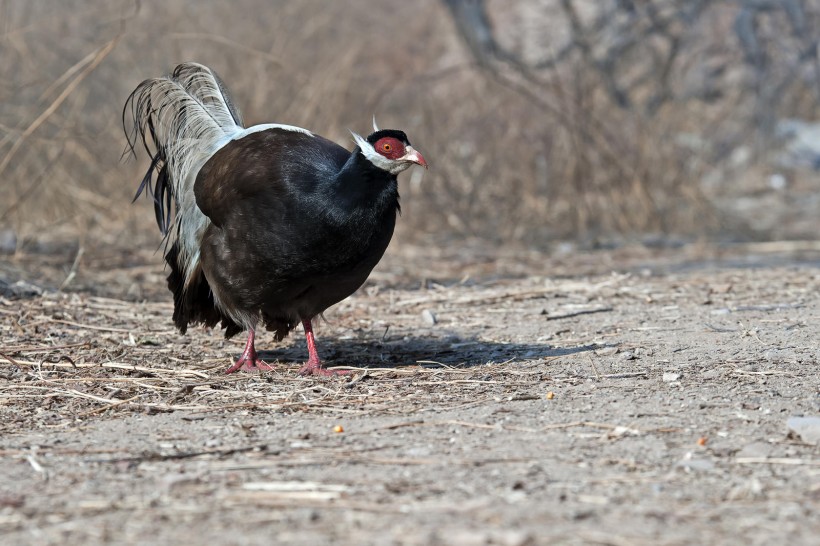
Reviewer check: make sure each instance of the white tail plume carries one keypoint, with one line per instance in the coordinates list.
(181, 120)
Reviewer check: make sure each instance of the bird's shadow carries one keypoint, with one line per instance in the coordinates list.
(449, 351)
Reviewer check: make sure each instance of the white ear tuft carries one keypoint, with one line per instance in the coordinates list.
(375, 127)
(361, 142)
(369, 152)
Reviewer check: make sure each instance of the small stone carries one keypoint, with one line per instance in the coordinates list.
(808, 428)
(669, 377)
(429, 317)
(777, 181)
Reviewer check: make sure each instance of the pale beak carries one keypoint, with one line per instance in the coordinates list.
(413, 156)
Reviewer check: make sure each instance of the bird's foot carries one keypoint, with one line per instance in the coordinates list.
(315, 367)
(249, 361)
(249, 365)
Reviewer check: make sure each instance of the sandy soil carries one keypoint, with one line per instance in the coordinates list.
(605, 401)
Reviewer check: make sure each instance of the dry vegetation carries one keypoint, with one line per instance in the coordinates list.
(572, 118)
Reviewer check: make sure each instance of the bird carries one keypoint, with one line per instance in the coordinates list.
(264, 226)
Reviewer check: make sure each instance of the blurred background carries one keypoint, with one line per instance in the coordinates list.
(547, 123)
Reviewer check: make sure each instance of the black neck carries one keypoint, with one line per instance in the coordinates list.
(362, 184)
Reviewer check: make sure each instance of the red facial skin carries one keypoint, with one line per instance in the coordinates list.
(390, 147)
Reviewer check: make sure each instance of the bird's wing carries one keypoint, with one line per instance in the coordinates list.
(270, 162)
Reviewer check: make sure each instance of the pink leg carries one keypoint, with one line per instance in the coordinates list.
(314, 366)
(249, 361)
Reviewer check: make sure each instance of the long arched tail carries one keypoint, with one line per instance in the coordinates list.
(181, 120)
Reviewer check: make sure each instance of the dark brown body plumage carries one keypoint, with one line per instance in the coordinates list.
(286, 240)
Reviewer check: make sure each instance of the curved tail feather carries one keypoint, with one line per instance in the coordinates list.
(181, 120)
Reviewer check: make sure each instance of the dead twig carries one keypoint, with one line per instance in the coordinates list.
(72, 272)
(119, 366)
(107, 407)
(358, 378)
(153, 457)
(579, 312)
(91, 327)
(10, 360)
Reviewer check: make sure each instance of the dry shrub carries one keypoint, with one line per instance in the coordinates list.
(632, 105)
(520, 149)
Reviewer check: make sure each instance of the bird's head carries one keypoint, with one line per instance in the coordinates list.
(389, 150)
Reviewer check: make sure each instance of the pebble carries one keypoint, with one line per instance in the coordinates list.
(808, 428)
(429, 317)
(669, 377)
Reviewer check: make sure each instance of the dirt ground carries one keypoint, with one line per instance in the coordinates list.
(509, 399)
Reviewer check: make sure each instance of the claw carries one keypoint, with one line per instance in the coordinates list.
(250, 365)
(314, 367)
(249, 361)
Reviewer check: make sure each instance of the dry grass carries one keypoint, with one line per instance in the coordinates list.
(550, 158)
(81, 356)
(71, 356)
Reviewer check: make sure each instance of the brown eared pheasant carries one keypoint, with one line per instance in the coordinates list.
(267, 225)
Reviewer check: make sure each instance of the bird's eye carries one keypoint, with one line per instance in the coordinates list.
(387, 147)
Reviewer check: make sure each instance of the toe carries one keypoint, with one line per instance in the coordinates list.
(250, 366)
(317, 370)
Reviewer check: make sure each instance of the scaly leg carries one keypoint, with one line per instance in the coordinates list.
(314, 366)
(249, 361)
